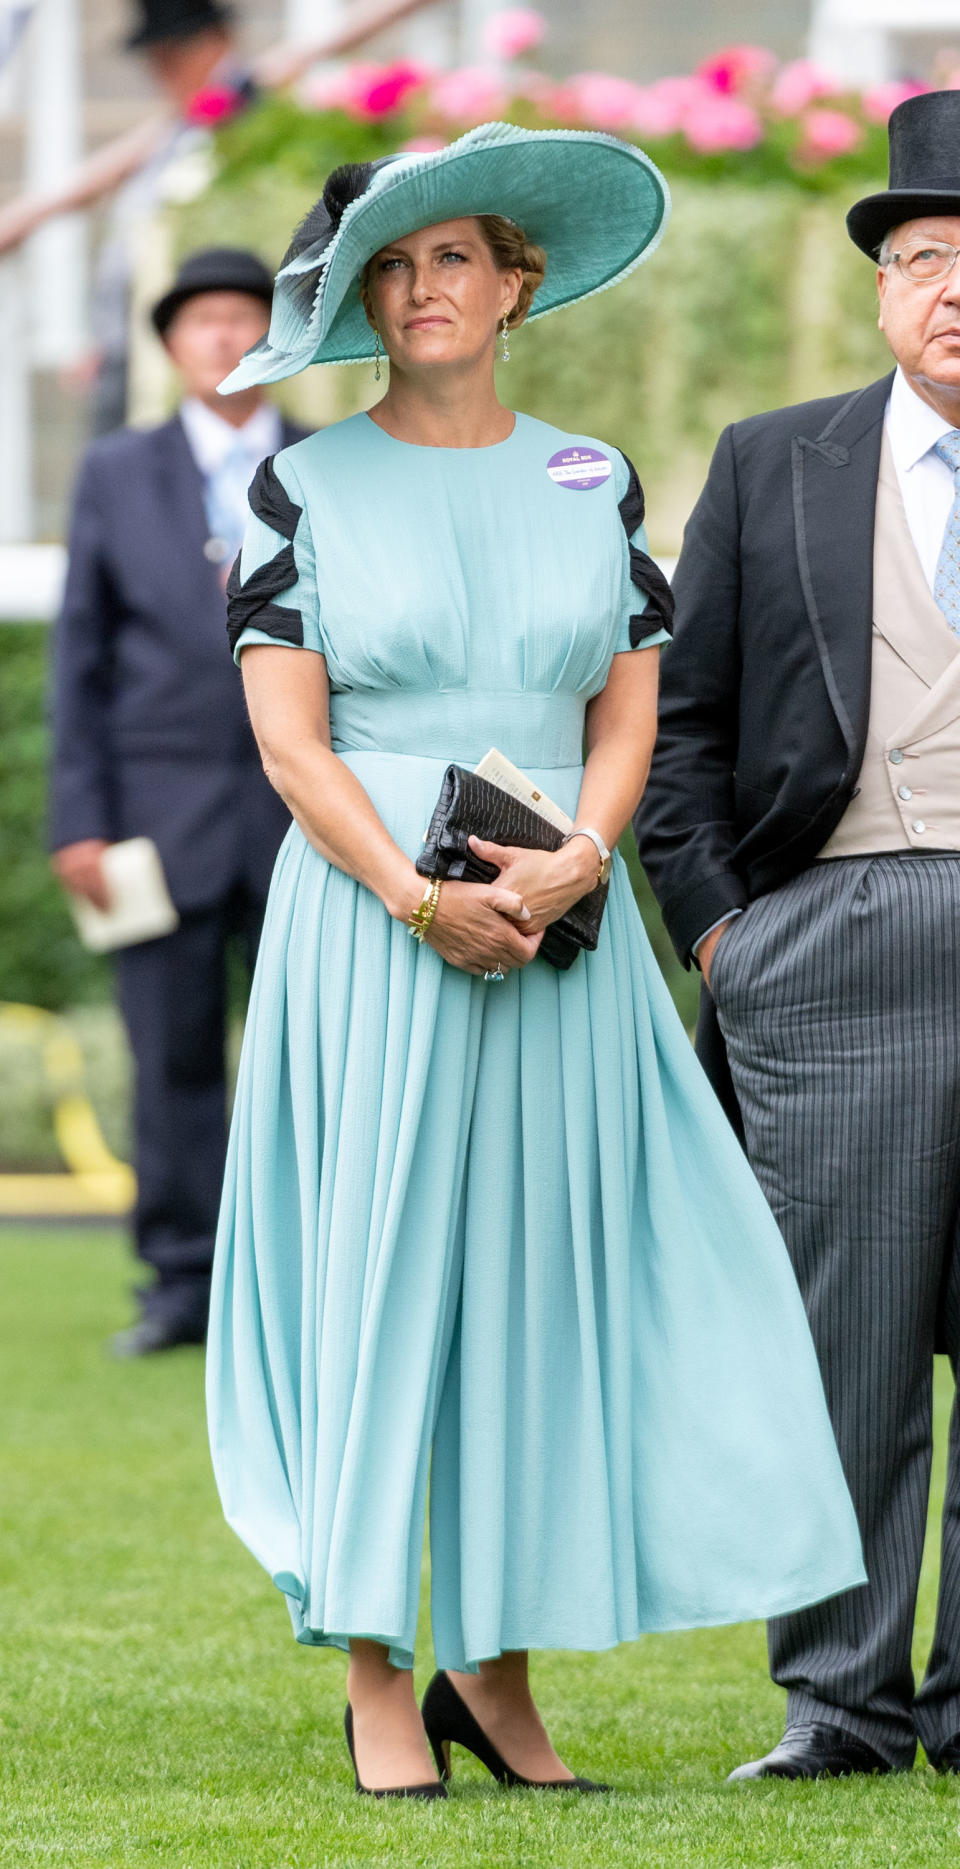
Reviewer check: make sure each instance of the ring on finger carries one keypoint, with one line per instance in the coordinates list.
(495, 974)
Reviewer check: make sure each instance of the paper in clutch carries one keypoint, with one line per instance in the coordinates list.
(140, 905)
(501, 771)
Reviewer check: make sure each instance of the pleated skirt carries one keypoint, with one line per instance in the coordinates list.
(493, 1253)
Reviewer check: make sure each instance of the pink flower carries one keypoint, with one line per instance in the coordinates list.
(799, 84)
(713, 122)
(735, 67)
(602, 102)
(662, 107)
(213, 105)
(881, 99)
(371, 91)
(829, 133)
(472, 94)
(423, 145)
(321, 90)
(509, 34)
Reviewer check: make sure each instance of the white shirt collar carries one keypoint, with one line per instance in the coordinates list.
(211, 437)
(912, 426)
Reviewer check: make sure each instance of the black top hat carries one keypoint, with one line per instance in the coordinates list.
(213, 269)
(924, 170)
(177, 19)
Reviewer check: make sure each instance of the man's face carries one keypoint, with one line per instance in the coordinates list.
(921, 321)
(208, 336)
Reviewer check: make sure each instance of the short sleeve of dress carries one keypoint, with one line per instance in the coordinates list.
(272, 589)
(647, 601)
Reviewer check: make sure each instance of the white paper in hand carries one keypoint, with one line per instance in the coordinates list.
(140, 906)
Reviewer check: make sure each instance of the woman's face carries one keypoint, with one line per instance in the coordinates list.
(436, 296)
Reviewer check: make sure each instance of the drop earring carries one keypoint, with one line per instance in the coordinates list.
(505, 333)
(376, 354)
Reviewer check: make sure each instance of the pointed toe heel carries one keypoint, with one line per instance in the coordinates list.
(431, 1790)
(448, 1721)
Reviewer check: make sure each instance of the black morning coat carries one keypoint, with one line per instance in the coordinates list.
(150, 730)
(765, 689)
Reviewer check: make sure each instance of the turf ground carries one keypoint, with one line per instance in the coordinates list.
(154, 1709)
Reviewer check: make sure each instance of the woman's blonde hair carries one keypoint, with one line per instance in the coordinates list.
(510, 249)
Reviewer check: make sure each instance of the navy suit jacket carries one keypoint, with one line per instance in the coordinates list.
(150, 731)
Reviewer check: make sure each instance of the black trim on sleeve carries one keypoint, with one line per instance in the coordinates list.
(250, 602)
(646, 575)
(271, 502)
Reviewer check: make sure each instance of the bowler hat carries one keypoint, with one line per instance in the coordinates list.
(177, 19)
(213, 269)
(924, 170)
(597, 205)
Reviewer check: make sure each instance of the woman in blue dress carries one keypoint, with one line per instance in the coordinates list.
(484, 1225)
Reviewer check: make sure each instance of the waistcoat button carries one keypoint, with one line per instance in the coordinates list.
(903, 791)
(896, 757)
(919, 827)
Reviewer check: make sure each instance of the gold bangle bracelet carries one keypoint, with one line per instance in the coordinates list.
(419, 922)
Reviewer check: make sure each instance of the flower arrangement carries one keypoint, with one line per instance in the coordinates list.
(742, 114)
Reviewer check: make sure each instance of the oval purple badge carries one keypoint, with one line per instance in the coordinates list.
(579, 468)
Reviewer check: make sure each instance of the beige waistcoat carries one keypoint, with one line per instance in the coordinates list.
(909, 785)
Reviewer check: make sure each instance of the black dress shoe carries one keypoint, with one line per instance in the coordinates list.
(448, 1719)
(948, 1757)
(432, 1789)
(153, 1334)
(814, 1749)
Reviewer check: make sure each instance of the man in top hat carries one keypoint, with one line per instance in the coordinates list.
(151, 738)
(190, 50)
(801, 828)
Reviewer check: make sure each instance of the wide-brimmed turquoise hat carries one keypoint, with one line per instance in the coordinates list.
(597, 205)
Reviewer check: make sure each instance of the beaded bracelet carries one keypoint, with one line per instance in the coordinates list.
(424, 913)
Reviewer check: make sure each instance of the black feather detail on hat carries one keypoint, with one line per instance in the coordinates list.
(315, 225)
(346, 184)
(321, 222)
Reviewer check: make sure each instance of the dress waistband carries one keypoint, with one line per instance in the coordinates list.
(460, 725)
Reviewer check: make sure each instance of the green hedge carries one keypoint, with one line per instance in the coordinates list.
(41, 960)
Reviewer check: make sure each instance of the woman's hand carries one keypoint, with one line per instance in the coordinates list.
(477, 927)
(548, 882)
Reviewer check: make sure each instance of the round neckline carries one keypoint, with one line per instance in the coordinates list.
(429, 447)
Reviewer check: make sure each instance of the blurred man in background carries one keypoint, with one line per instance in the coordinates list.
(151, 739)
(190, 49)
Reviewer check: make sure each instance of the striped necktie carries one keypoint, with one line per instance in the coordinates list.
(946, 583)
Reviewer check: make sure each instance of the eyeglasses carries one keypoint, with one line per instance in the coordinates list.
(928, 261)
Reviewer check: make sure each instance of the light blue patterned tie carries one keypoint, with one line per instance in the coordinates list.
(226, 497)
(946, 583)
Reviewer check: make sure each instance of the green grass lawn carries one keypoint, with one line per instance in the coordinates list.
(155, 1709)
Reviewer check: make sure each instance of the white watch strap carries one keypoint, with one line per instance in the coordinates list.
(584, 830)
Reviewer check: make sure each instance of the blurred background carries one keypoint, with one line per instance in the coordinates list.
(768, 121)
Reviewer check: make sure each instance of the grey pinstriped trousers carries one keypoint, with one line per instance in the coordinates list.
(839, 1000)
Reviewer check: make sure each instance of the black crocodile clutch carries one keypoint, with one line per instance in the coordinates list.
(470, 806)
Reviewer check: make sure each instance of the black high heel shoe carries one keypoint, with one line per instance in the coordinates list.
(431, 1790)
(448, 1720)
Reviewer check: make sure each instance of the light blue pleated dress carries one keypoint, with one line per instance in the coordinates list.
(490, 1251)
